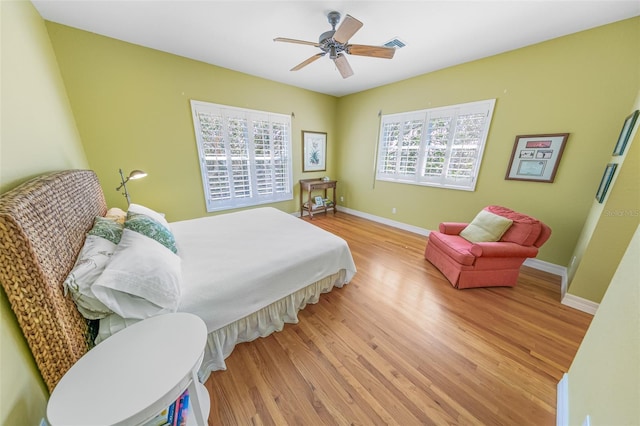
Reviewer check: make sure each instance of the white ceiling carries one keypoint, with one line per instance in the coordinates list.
(239, 34)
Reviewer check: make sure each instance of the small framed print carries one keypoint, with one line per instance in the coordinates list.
(536, 157)
(625, 133)
(605, 182)
(319, 201)
(314, 151)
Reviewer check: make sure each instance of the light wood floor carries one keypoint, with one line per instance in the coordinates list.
(400, 346)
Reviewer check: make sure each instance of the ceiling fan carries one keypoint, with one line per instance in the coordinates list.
(335, 43)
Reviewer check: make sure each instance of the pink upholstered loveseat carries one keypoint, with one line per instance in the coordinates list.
(486, 264)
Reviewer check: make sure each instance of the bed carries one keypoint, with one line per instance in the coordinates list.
(245, 274)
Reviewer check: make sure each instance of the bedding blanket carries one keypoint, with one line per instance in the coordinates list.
(236, 264)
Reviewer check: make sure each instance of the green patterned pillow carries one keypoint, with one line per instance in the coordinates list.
(148, 227)
(107, 229)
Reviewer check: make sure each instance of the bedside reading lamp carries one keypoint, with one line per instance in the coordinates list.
(135, 174)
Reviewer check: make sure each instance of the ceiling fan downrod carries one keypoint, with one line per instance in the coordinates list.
(333, 18)
(327, 43)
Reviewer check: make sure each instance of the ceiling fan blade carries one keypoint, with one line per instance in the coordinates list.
(374, 51)
(343, 66)
(307, 61)
(347, 29)
(293, 40)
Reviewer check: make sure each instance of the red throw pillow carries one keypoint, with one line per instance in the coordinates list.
(524, 230)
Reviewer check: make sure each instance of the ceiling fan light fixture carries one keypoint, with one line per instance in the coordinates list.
(332, 52)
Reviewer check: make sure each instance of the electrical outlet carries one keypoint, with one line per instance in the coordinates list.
(341, 199)
(393, 210)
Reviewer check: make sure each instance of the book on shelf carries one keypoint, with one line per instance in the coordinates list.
(183, 408)
(314, 206)
(174, 415)
(326, 203)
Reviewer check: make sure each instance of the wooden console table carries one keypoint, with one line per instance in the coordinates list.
(310, 185)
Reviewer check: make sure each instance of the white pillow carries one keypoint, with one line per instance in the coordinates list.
(142, 280)
(158, 217)
(112, 324)
(92, 259)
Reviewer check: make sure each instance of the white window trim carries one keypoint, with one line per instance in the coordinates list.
(224, 112)
(417, 178)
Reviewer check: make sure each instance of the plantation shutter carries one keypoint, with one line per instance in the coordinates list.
(244, 155)
(400, 145)
(435, 147)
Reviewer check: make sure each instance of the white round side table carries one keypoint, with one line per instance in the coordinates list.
(135, 374)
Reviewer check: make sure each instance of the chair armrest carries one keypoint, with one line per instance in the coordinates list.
(502, 249)
(452, 228)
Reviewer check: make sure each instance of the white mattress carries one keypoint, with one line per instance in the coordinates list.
(236, 264)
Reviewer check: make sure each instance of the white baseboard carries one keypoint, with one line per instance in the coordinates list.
(562, 401)
(385, 221)
(552, 268)
(541, 265)
(575, 302)
(580, 304)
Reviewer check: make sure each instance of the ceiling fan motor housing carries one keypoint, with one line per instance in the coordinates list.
(329, 45)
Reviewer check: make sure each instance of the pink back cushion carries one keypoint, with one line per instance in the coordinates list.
(525, 230)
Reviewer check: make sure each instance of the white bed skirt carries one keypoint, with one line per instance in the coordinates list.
(220, 343)
(262, 323)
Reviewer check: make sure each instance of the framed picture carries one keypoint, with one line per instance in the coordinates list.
(314, 151)
(627, 127)
(536, 157)
(605, 181)
(319, 201)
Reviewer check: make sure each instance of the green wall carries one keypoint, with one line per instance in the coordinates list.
(38, 128)
(604, 377)
(584, 84)
(132, 108)
(609, 226)
(38, 135)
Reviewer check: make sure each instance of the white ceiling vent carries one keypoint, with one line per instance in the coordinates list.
(395, 42)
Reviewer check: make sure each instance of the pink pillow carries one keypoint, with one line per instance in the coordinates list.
(524, 230)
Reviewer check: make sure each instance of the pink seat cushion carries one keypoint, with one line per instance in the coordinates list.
(524, 230)
(454, 246)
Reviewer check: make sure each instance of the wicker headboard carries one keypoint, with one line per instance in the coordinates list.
(43, 224)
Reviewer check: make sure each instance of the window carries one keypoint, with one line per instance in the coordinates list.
(435, 147)
(244, 155)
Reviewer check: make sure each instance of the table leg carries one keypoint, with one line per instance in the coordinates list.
(196, 403)
(326, 213)
(334, 201)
